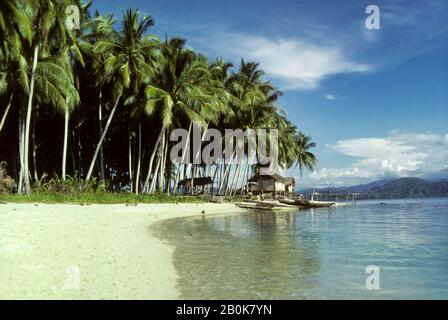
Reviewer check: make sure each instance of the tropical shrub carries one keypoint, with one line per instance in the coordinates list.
(6, 182)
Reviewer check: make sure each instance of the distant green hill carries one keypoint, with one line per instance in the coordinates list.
(392, 189)
(407, 188)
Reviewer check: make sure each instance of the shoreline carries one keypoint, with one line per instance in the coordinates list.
(98, 251)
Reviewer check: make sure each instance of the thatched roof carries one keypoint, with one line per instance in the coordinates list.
(276, 177)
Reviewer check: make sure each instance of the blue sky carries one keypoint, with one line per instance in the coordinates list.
(375, 101)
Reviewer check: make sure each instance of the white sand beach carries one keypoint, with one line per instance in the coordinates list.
(63, 251)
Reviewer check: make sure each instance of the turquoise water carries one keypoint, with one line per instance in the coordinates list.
(314, 254)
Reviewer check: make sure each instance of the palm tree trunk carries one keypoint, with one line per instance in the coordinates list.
(64, 151)
(235, 178)
(8, 107)
(293, 170)
(168, 178)
(154, 178)
(193, 166)
(215, 175)
(164, 159)
(131, 178)
(137, 175)
(72, 151)
(162, 152)
(226, 172)
(106, 128)
(193, 171)
(154, 151)
(246, 176)
(100, 126)
(176, 181)
(234, 187)
(220, 173)
(28, 122)
(160, 172)
(80, 158)
(230, 181)
(21, 140)
(34, 143)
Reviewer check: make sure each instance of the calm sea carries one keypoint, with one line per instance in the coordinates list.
(315, 254)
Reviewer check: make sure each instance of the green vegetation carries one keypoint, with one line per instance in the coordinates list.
(97, 198)
(99, 103)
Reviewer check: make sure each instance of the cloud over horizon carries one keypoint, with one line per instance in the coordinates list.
(399, 154)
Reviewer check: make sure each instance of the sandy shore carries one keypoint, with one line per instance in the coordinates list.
(63, 251)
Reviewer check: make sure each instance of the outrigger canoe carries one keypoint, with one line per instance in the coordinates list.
(307, 203)
(265, 205)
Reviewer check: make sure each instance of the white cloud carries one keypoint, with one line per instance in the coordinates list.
(333, 97)
(294, 64)
(397, 155)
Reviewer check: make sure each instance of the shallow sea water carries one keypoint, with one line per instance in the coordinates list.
(314, 254)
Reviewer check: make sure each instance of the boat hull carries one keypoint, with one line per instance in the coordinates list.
(265, 206)
(308, 203)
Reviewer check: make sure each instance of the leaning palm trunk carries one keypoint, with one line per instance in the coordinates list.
(137, 175)
(226, 172)
(154, 178)
(230, 181)
(64, 151)
(106, 128)
(215, 175)
(223, 178)
(8, 107)
(245, 176)
(29, 110)
(151, 160)
(176, 181)
(234, 188)
(194, 159)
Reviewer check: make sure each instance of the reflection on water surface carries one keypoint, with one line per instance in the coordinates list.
(319, 253)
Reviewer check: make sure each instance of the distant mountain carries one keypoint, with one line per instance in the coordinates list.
(356, 188)
(392, 189)
(408, 188)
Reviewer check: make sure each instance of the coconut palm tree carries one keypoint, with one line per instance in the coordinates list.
(15, 24)
(77, 48)
(43, 72)
(100, 29)
(15, 28)
(128, 64)
(157, 87)
(13, 77)
(252, 102)
(179, 92)
(304, 157)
